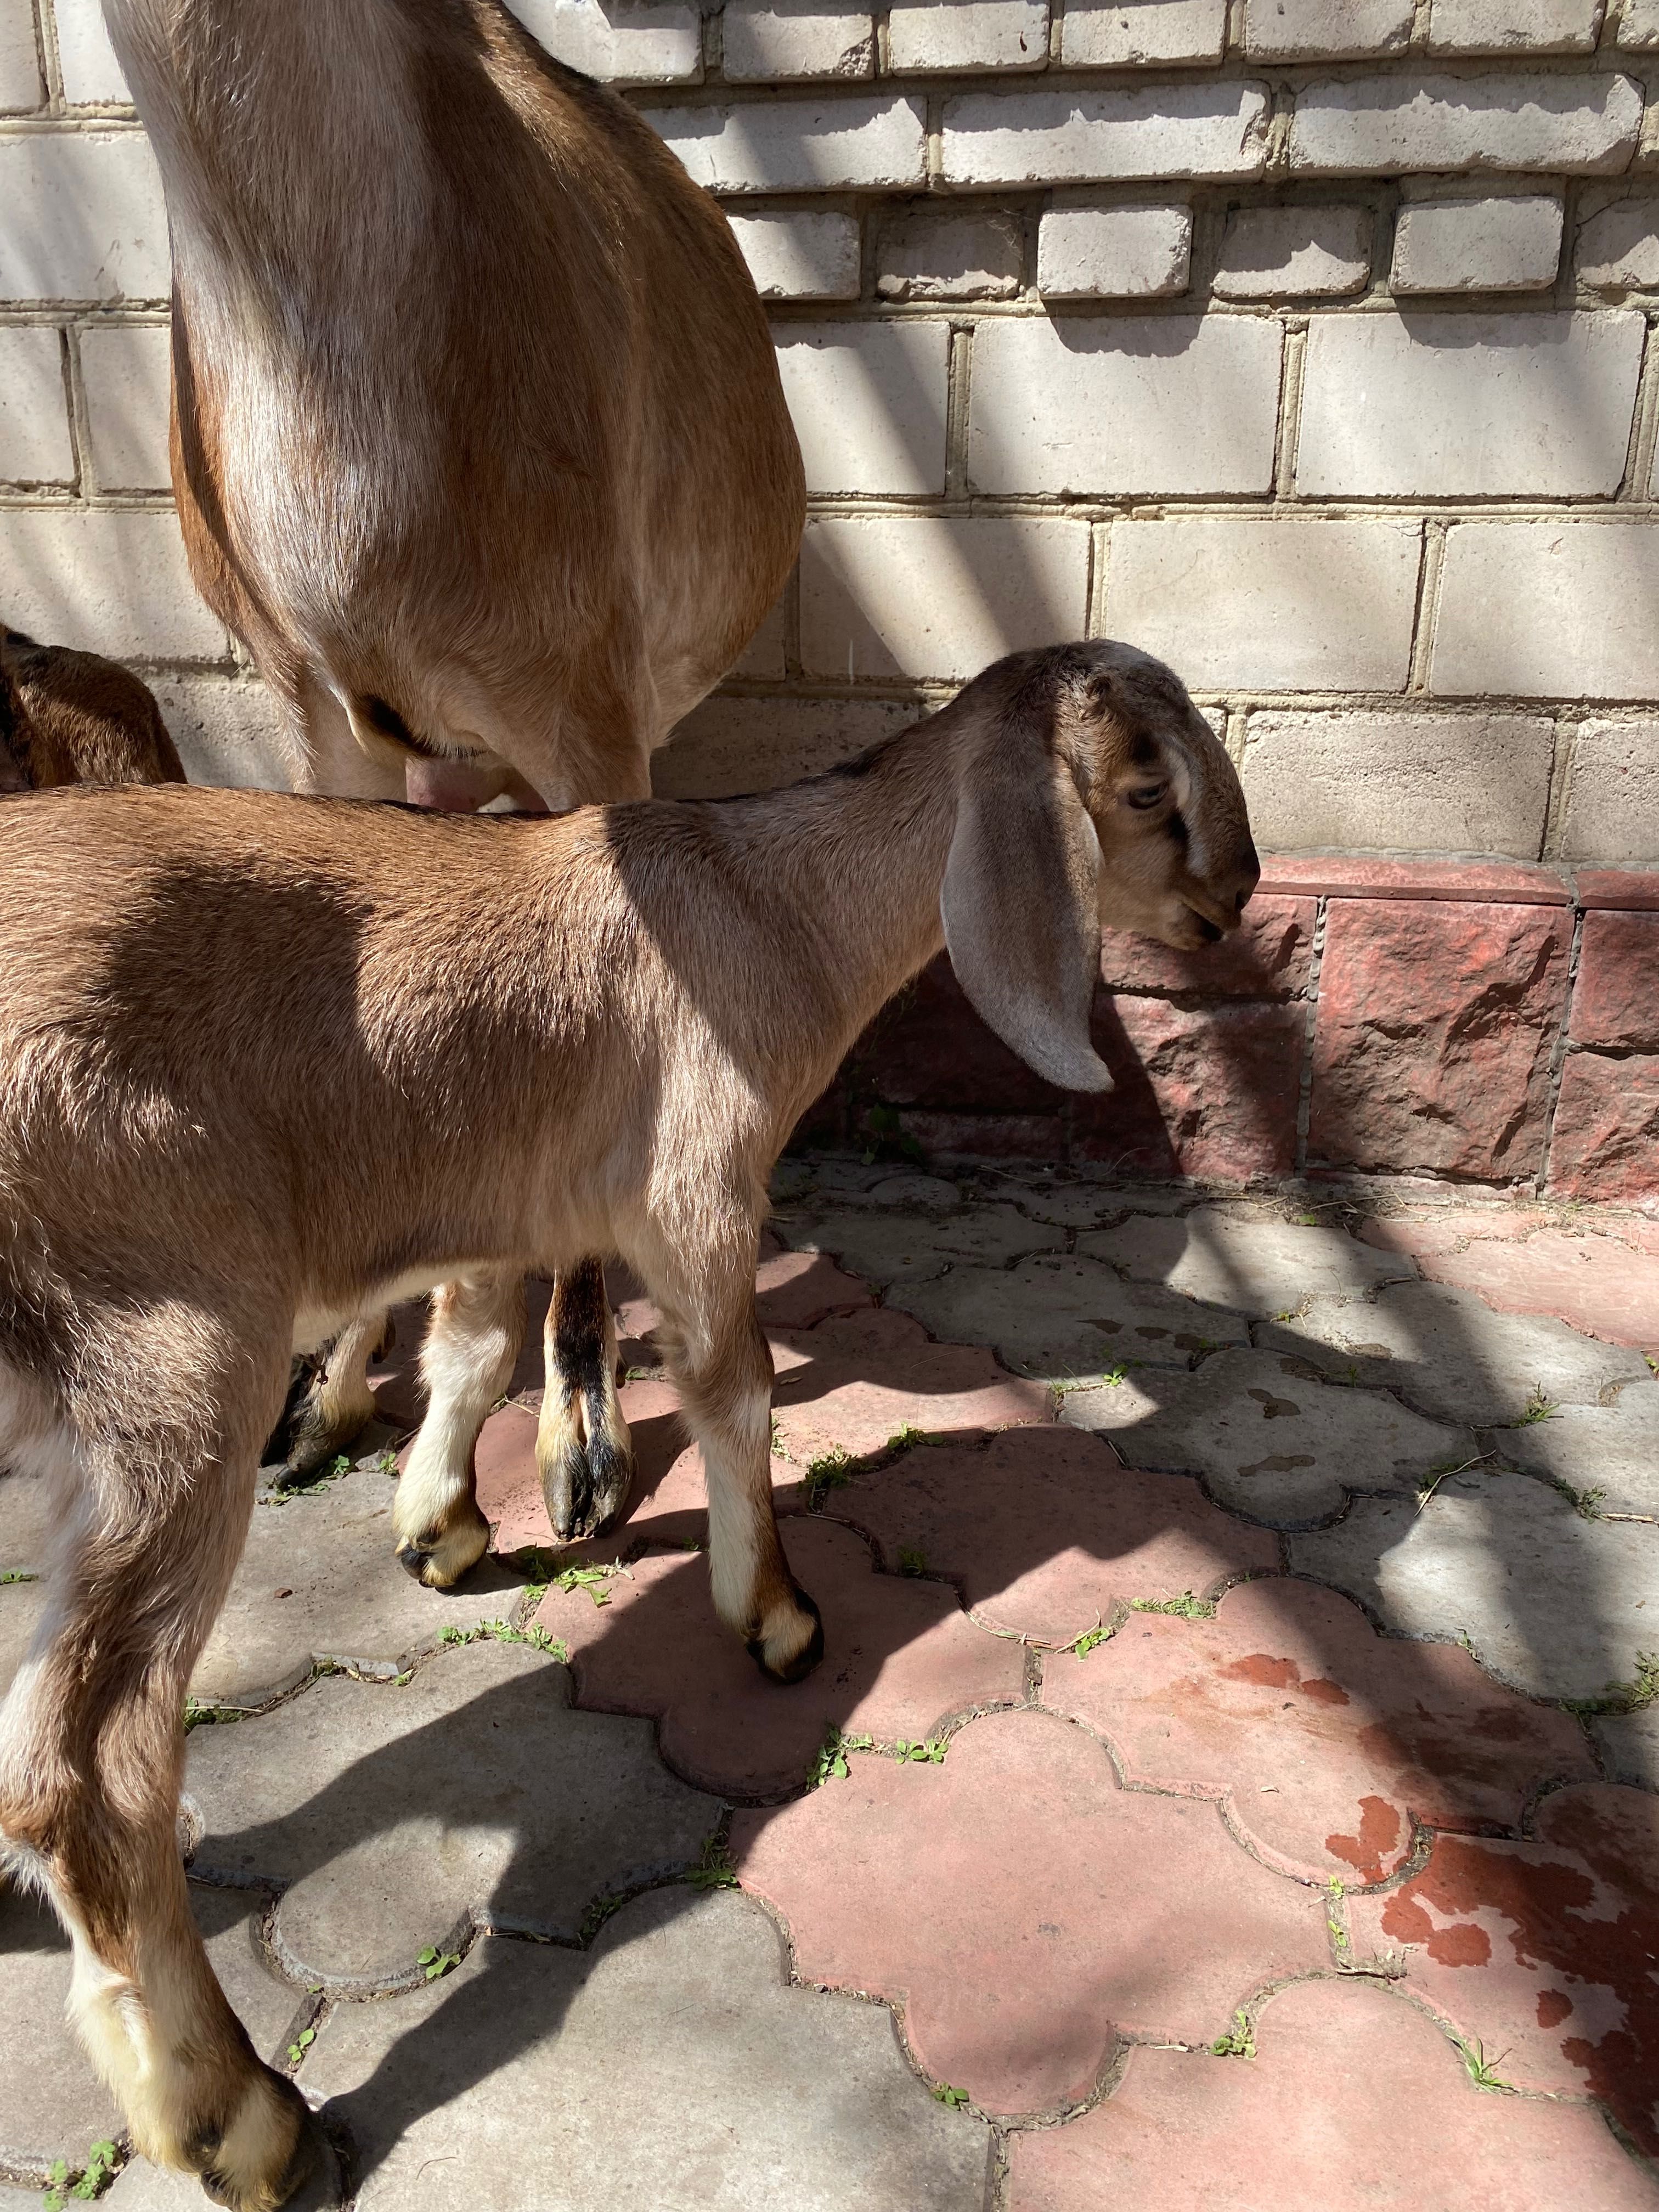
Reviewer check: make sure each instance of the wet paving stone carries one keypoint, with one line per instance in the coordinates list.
(1269, 1438)
(1259, 1266)
(1354, 2099)
(1324, 1741)
(1450, 1355)
(1062, 1319)
(672, 2067)
(1608, 1454)
(1543, 1954)
(1045, 1534)
(394, 1812)
(1558, 1605)
(900, 1657)
(1026, 1910)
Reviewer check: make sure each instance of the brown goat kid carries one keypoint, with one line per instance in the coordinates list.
(68, 717)
(309, 1057)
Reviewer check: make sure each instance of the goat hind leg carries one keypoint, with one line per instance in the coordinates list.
(471, 1342)
(583, 1450)
(329, 1403)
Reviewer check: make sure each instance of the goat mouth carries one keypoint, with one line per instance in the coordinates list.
(1209, 932)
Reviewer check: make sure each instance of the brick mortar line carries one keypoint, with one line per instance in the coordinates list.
(1559, 795)
(1304, 1081)
(1558, 1055)
(1425, 614)
(928, 691)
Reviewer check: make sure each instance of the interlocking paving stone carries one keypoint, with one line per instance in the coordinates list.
(672, 2068)
(1025, 1908)
(318, 1580)
(931, 1193)
(1596, 1283)
(794, 1290)
(859, 1383)
(1072, 1205)
(887, 1248)
(1323, 1739)
(1449, 1228)
(900, 1656)
(1255, 1264)
(1353, 2098)
(22, 1605)
(1267, 1438)
(394, 1811)
(1548, 1951)
(1045, 1534)
(1450, 1355)
(1059, 1318)
(1630, 1745)
(52, 2104)
(1557, 1605)
(1611, 1449)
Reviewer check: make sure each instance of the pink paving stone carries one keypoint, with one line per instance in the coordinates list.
(1596, 1285)
(1354, 2099)
(1605, 1144)
(1546, 1951)
(1323, 1739)
(900, 1658)
(1206, 1092)
(1436, 1022)
(1447, 1229)
(1615, 1000)
(1044, 1533)
(793, 1290)
(856, 1382)
(1023, 1909)
(1266, 958)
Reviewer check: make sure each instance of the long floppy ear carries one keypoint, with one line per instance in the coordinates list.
(1021, 907)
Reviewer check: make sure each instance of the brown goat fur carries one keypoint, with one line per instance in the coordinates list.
(384, 1050)
(69, 717)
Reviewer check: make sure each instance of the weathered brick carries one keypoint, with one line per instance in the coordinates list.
(1117, 33)
(798, 145)
(35, 434)
(1266, 958)
(1413, 783)
(1615, 1000)
(959, 35)
(1216, 131)
(1126, 251)
(124, 370)
(868, 401)
(1468, 404)
(1507, 245)
(1307, 30)
(1549, 610)
(1433, 1046)
(1500, 26)
(622, 41)
(22, 86)
(950, 256)
(229, 731)
(1287, 605)
(781, 39)
(1619, 247)
(910, 595)
(800, 256)
(727, 745)
(1606, 1136)
(111, 582)
(1294, 253)
(85, 218)
(1587, 125)
(1613, 800)
(1162, 405)
(92, 75)
(1207, 1091)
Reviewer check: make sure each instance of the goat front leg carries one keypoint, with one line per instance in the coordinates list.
(330, 1401)
(584, 1453)
(466, 1362)
(724, 1368)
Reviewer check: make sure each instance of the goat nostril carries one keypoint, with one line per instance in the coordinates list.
(1245, 899)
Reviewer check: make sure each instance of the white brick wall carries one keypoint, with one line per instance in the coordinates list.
(1303, 340)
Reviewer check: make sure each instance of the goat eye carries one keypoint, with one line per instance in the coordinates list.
(1147, 795)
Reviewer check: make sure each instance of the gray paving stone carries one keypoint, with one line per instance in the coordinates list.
(923, 1193)
(1556, 1604)
(1256, 1263)
(1267, 1440)
(318, 1581)
(395, 1811)
(1057, 1318)
(910, 1248)
(25, 1518)
(1629, 1744)
(52, 2104)
(1613, 1448)
(1449, 1354)
(1071, 1206)
(671, 2070)
(22, 1605)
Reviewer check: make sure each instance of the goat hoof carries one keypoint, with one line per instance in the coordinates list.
(789, 1647)
(587, 1487)
(274, 2152)
(438, 1558)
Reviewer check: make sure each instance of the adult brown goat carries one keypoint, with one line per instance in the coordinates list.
(387, 1050)
(479, 446)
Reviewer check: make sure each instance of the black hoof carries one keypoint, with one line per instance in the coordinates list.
(412, 1559)
(594, 1481)
(798, 1668)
